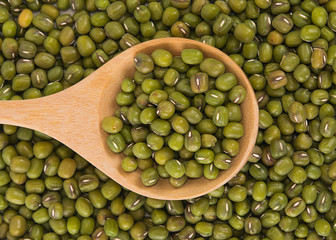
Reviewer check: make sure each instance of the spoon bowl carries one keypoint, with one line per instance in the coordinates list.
(74, 115)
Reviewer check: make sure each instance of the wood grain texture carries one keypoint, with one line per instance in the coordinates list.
(74, 116)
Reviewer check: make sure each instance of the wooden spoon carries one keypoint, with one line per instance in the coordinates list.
(74, 116)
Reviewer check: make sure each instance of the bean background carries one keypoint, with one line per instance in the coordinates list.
(286, 190)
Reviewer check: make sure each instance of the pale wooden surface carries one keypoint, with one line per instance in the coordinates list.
(74, 117)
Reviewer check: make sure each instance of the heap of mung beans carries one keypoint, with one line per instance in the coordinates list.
(175, 120)
(286, 191)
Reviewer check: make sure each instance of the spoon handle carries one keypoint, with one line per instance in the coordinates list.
(61, 115)
(45, 114)
(32, 113)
